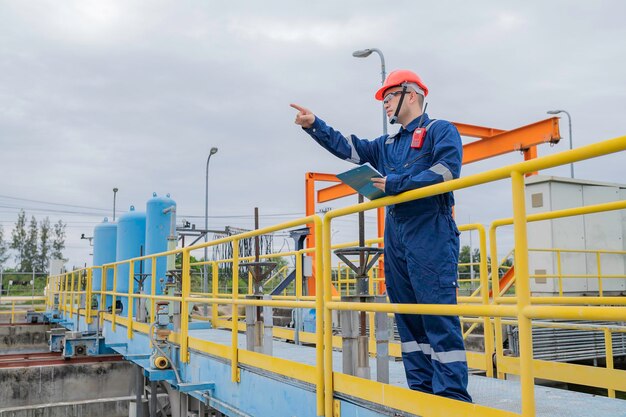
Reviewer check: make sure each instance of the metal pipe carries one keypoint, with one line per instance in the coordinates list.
(205, 278)
(115, 190)
(364, 54)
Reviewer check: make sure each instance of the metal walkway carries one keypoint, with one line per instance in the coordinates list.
(286, 392)
(490, 392)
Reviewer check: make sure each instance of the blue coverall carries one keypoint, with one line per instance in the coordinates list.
(421, 245)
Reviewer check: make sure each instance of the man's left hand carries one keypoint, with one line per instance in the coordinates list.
(380, 183)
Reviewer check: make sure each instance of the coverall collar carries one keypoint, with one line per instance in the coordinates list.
(414, 123)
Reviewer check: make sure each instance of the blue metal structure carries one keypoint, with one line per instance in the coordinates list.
(104, 252)
(160, 226)
(131, 237)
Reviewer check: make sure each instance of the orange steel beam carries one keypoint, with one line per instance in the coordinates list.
(334, 192)
(520, 139)
(477, 131)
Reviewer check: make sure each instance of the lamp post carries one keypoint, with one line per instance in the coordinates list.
(569, 119)
(115, 190)
(364, 53)
(205, 280)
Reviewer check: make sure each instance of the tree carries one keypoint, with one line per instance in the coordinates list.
(18, 238)
(30, 255)
(4, 249)
(44, 245)
(58, 243)
(464, 258)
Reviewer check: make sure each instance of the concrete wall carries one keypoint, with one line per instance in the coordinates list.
(23, 338)
(111, 407)
(65, 383)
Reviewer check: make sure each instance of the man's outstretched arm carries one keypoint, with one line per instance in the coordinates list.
(351, 149)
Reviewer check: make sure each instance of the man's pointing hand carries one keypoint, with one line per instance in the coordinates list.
(305, 117)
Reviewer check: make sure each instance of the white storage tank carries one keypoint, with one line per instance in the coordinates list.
(603, 231)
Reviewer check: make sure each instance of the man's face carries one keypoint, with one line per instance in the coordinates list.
(391, 99)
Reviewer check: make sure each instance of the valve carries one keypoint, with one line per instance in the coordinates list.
(161, 362)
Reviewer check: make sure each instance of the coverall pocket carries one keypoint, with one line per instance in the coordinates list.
(446, 278)
(417, 164)
(447, 281)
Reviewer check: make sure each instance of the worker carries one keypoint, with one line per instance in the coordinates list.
(421, 237)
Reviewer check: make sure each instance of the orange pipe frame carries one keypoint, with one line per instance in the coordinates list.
(492, 142)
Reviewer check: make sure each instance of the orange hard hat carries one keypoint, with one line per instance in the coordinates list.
(397, 78)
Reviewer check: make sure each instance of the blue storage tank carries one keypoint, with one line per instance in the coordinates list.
(309, 320)
(131, 243)
(160, 219)
(104, 252)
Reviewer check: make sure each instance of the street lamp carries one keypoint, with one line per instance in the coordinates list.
(569, 119)
(205, 281)
(115, 190)
(364, 53)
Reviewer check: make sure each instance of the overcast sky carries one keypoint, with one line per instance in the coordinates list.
(133, 94)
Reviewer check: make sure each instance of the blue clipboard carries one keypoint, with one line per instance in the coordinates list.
(359, 179)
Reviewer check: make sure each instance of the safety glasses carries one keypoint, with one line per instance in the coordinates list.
(389, 96)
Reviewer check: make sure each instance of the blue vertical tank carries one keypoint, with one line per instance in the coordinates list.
(160, 230)
(104, 252)
(131, 243)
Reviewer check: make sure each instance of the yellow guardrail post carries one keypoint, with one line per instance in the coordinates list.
(88, 296)
(495, 291)
(152, 286)
(215, 289)
(234, 359)
(12, 312)
(370, 315)
(114, 299)
(53, 288)
(299, 274)
(48, 294)
(67, 290)
(523, 295)
(608, 343)
(68, 294)
(484, 284)
(65, 287)
(328, 320)
(599, 274)
(103, 291)
(320, 315)
(72, 300)
(184, 308)
(131, 299)
(559, 272)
